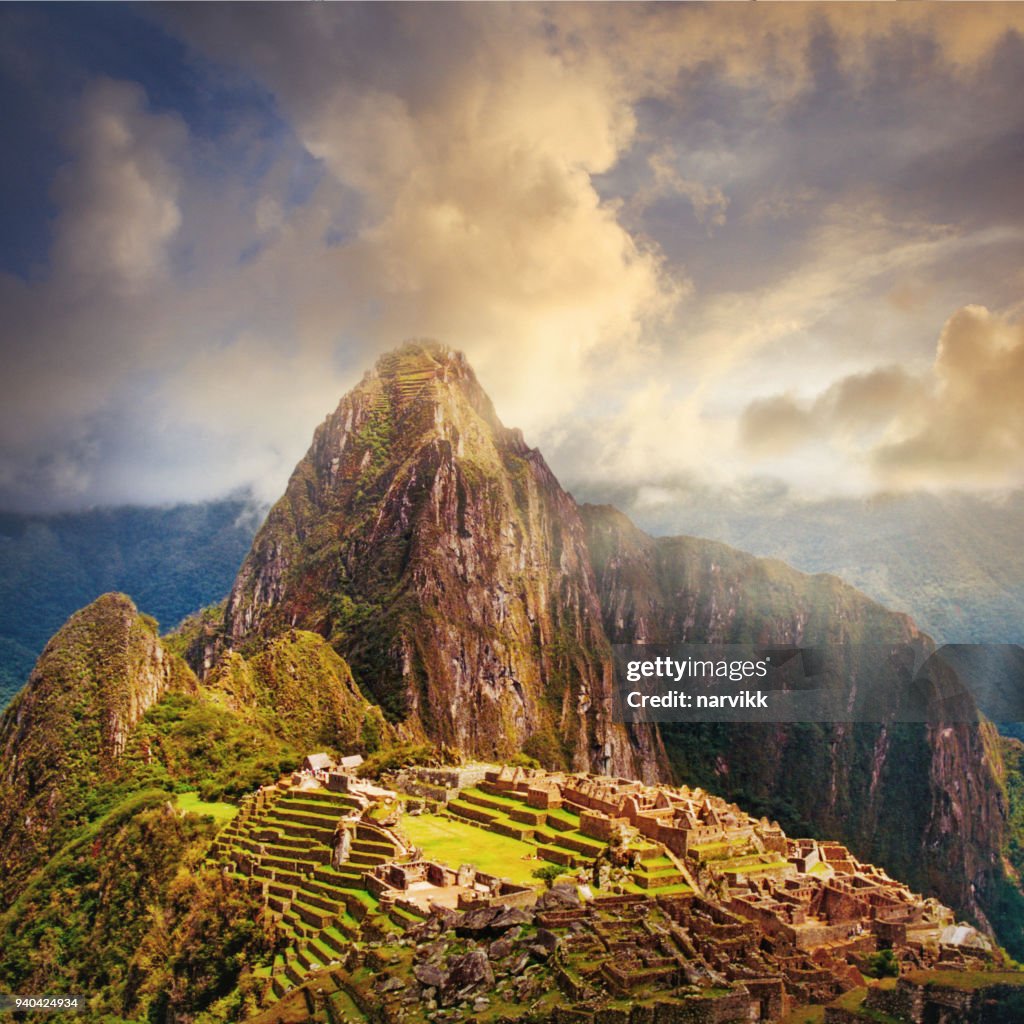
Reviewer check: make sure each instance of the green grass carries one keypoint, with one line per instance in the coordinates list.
(561, 814)
(221, 812)
(454, 843)
(967, 981)
(667, 890)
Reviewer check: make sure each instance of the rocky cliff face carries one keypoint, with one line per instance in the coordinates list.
(67, 728)
(925, 802)
(438, 554)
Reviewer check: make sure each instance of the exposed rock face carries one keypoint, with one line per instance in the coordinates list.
(966, 823)
(925, 802)
(69, 725)
(439, 555)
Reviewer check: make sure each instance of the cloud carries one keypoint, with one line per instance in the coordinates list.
(631, 218)
(709, 202)
(961, 424)
(481, 222)
(973, 429)
(118, 197)
(775, 425)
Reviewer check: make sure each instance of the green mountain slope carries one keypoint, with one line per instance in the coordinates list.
(102, 757)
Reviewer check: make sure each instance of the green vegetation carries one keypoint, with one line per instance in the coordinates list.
(71, 725)
(220, 812)
(206, 942)
(966, 981)
(1006, 905)
(805, 1015)
(404, 755)
(549, 872)
(313, 696)
(853, 1002)
(188, 743)
(882, 964)
(82, 922)
(454, 842)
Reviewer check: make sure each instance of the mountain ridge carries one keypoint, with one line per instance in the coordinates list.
(428, 547)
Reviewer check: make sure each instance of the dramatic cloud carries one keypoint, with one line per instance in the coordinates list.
(482, 224)
(675, 241)
(118, 197)
(972, 429)
(961, 424)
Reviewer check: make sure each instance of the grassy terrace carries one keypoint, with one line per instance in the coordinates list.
(287, 847)
(552, 835)
(455, 842)
(221, 813)
(966, 981)
(498, 832)
(853, 1001)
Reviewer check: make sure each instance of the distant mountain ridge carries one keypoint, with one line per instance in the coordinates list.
(171, 560)
(954, 562)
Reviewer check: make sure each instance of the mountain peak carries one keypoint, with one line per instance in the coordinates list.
(439, 556)
(420, 355)
(417, 373)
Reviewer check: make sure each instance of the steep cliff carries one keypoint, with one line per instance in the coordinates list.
(67, 729)
(926, 802)
(438, 554)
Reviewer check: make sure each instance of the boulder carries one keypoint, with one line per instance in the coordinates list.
(465, 975)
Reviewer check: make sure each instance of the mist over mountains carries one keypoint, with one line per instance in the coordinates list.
(171, 560)
(952, 562)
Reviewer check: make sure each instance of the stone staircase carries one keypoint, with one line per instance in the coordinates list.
(412, 373)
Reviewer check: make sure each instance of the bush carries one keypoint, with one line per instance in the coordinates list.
(549, 872)
(882, 964)
(401, 756)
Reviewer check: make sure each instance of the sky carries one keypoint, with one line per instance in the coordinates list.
(766, 249)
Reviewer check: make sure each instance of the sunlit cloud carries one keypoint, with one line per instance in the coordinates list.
(674, 241)
(960, 424)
